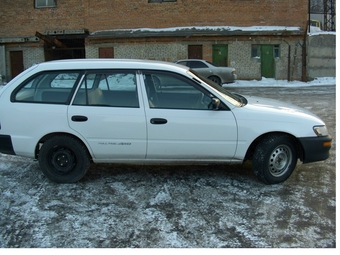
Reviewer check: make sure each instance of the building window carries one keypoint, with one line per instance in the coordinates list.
(161, 1)
(45, 3)
(276, 51)
(255, 51)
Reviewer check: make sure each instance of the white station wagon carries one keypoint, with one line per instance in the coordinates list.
(70, 113)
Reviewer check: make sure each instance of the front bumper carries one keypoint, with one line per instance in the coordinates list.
(315, 148)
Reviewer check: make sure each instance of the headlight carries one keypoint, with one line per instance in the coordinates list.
(320, 130)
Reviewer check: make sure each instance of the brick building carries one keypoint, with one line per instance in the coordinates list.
(257, 37)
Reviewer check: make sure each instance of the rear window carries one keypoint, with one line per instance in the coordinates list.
(47, 87)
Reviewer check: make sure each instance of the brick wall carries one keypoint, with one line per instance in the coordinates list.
(132, 14)
(20, 18)
(32, 54)
(155, 51)
(239, 52)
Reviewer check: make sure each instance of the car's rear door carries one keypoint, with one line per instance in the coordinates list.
(107, 113)
(181, 124)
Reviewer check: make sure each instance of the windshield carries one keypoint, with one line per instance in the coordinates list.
(230, 97)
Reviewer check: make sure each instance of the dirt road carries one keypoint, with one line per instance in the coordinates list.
(167, 206)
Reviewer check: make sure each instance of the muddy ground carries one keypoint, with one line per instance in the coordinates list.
(172, 206)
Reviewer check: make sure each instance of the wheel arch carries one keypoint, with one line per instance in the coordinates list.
(253, 145)
(47, 136)
(215, 75)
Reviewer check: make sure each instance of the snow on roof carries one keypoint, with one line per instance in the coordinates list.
(204, 29)
(317, 31)
(213, 28)
(221, 30)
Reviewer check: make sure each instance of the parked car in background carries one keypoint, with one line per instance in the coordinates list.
(67, 114)
(218, 74)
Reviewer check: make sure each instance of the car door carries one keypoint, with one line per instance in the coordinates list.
(201, 68)
(181, 124)
(107, 113)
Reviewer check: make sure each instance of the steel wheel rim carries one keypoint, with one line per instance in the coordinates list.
(280, 160)
(63, 160)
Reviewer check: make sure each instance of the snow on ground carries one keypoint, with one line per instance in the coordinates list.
(265, 82)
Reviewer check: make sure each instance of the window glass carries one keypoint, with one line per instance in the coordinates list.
(276, 51)
(184, 63)
(64, 80)
(115, 89)
(255, 51)
(160, 1)
(48, 87)
(198, 64)
(173, 91)
(45, 3)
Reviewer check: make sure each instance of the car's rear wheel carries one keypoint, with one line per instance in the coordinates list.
(275, 158)
(215, 79)
(63, 159)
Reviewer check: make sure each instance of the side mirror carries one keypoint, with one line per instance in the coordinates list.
(215, 103)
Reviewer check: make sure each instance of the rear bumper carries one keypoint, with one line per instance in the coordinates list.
(6, 145)
(231, 79)
(315, 148)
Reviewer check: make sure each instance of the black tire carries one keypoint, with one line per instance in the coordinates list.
(274, 159)
(215, 79)
(63, 159)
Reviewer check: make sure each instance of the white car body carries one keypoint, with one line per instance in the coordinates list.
(147, 134)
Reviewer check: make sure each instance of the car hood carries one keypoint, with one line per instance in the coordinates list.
(277, 107)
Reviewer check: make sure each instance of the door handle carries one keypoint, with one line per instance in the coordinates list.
(157, 121)
(79, 118)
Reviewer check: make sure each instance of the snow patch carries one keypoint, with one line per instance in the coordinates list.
(198, 28)
(268, 82)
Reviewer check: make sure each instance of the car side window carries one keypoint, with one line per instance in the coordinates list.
(184, 63)
(173, 91)
(108, 88)
(47, 87)
(198, 64)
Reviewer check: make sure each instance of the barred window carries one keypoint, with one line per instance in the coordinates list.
(45, 3)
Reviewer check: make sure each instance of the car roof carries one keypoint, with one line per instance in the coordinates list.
(100, 63)
(192, 59)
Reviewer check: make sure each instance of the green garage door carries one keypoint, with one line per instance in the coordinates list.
(267, 61)
(220, 54)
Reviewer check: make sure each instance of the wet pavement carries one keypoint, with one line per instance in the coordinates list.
(175, 206)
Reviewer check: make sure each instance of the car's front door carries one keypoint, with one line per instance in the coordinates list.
(201, 68)
(106, 112)
(181, 123)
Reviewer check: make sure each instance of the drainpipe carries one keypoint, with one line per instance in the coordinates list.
(304, 56)
(309, 16)
(3, 64)
(288, 72)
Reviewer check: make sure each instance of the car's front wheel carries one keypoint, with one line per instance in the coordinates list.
(63, 159)
(275, 158)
